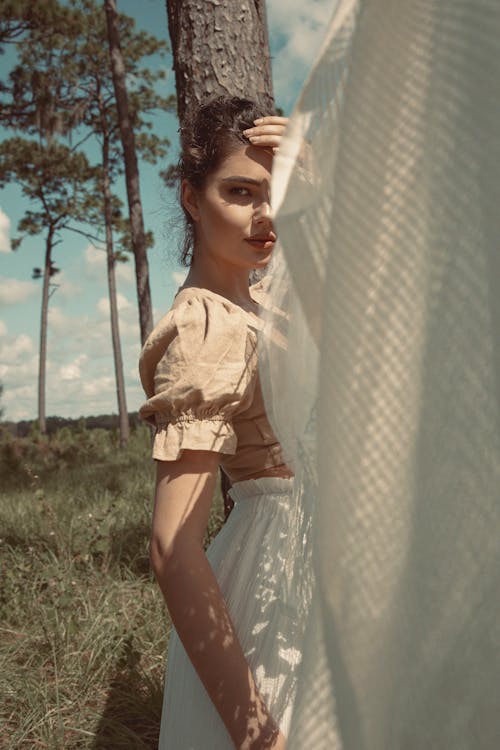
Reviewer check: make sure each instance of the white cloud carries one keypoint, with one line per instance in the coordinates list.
(3, 328)
(13, 291)
(73, 370)
(95, 262)
(102, 386)
(125, 272)
(18, 373)
(67, 289)
(58, 321)
(4, 232)
(299, 27)
(292, 19)
(121, 301)
(94, 259)
(70, 336)
(19, 401)
(15, 347)
(80, 369)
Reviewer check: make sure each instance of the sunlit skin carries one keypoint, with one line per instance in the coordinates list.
(229, 214)
(234, 232)
(233, 226)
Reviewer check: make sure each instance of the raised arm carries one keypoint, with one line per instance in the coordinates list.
(267, 131)
(184, 491)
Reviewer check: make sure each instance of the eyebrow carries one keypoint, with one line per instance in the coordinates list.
(240, 178)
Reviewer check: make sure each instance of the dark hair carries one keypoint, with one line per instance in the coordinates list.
(214, 131)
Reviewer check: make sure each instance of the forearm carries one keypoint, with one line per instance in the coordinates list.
(200, 616)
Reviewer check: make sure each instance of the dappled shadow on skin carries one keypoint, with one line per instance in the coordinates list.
(131, 717)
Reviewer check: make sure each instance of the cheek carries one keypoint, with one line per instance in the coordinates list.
(230, 217)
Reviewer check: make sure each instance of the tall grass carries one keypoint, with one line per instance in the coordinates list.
(84, 629)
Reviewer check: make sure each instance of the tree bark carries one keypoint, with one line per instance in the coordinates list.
(42, 358)
(113, 307)
(131, 172)
(219, 47)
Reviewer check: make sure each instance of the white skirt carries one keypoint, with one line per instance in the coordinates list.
(261, 560)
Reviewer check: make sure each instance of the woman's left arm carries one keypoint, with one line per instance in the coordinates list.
(197, 608)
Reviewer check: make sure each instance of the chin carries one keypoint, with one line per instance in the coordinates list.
(261, 263)
(263, 260)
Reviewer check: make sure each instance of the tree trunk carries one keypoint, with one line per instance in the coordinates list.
(113, 307)
(42, 357)
(131, 172)
(222, 49)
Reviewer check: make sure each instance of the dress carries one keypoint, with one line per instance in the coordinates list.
(258, 556)
(250, 558)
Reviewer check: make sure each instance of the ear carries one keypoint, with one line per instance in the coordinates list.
(189, 199)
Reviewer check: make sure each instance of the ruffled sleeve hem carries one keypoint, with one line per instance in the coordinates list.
(172, 438)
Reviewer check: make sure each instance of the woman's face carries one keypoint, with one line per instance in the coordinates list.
(232, 213)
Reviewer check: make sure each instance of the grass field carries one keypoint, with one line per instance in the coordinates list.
(84, 629)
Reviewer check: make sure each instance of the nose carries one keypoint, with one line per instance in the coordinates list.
(262, 213)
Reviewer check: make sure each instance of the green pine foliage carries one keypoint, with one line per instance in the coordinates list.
(56, 100)
(55, 180)
(84, 629)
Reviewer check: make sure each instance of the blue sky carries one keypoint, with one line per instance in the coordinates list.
(80, 374)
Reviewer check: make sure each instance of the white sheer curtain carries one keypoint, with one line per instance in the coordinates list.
(383, 382)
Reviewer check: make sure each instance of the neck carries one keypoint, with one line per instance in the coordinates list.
(232, 284)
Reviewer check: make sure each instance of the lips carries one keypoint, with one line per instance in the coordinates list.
(262, 241)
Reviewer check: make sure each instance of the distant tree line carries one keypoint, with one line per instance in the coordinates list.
(24, 427)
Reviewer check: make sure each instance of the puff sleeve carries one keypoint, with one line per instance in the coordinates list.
(198, 369)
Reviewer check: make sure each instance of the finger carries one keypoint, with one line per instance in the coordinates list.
(273, 119)
(264, 130)
(265, 140)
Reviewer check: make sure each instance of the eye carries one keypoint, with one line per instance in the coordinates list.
(239, 191)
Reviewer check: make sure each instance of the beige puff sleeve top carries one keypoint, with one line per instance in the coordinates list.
(199, 371)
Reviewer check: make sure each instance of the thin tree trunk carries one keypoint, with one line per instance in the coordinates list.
(42, 357)
(131, 172)
(113, 307)
(219, 48)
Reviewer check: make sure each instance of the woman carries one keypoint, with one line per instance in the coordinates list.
(234, 652)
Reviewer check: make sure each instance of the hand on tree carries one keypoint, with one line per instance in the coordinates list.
(267, 131)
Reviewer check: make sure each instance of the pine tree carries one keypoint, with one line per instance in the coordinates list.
(138, 235)
(219, 48)
(93, 83)
(57, 183)
(20, 16)
(96, 77)
(63, 88)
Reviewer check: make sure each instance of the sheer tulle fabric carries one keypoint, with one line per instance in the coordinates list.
(385, 391)
(261, 575)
